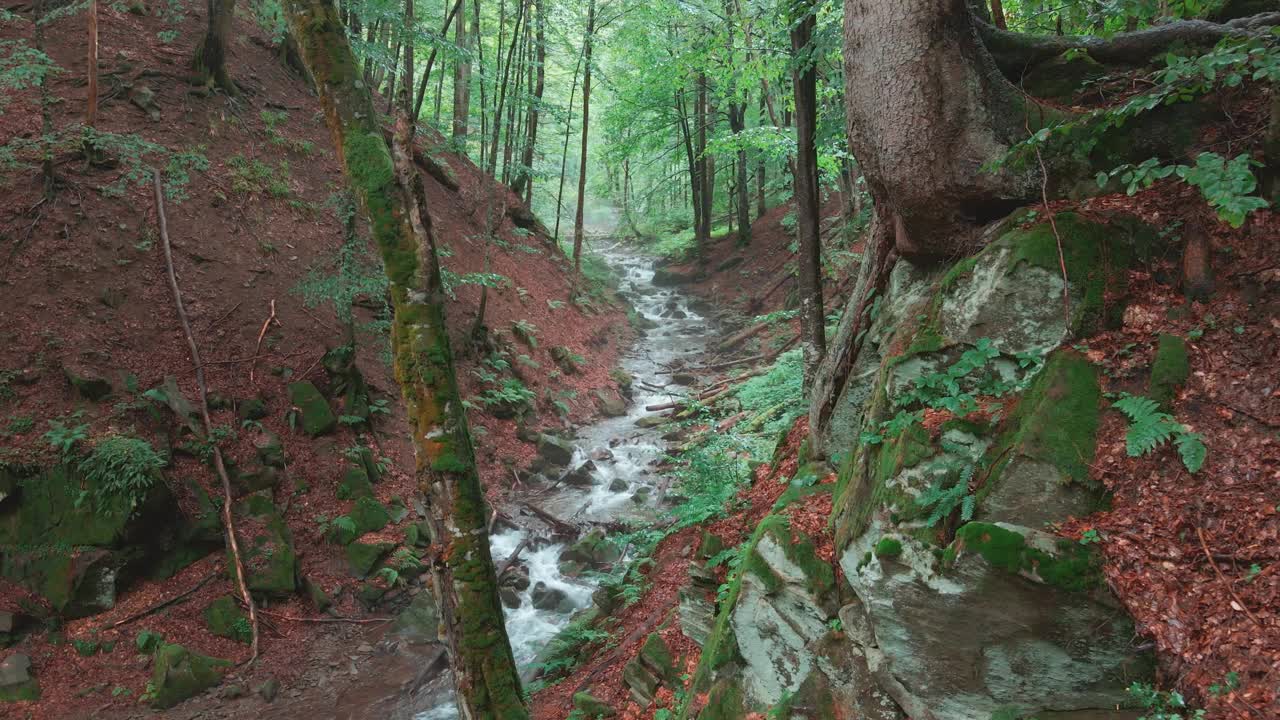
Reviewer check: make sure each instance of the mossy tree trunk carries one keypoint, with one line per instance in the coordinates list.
(210, 61)
(578, 228)
(392, 196)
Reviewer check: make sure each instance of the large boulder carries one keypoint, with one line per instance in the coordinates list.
(178, 674)
(16, 682)
(668, 276)
(266, 547)
(315, 417)
(593, 550)
(555, 451)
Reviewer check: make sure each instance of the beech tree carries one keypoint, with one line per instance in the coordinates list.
(392, 196)
(813, 340)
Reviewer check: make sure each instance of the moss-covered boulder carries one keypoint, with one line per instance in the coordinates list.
(592, 550)
(591, 707)
(224, 618)
(369, 515)
(178, 674)
(16, 681)
(88, 382)
(355, 484)
(315, 417)
(363, 557)
(266, 547)
(1169, 370)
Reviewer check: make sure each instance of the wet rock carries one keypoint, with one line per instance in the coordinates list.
(179, 674)
(650, 421)
(641, 495)
(554, 451)
(592, 549)
(667, 277)
(419, 622)
(601, 454)
(582, 476)
(314, 415)
(609, 404)
(545, 597)
(618, 485)
(571, 568)
(510, 597)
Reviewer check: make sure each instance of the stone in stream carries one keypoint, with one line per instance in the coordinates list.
(609, 404)
(668, 277)
(601, 454)
(641, 495)
(545, 597)
(582, 476)
(510, 597)
(684, 378)
(592, 549)
(618, 485)
(650, 421)
(554, 451)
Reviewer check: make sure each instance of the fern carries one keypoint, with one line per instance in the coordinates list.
(944, 500)
(1149, 428)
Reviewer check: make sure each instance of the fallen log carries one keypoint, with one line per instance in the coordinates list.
(511, 559)
(739, 337)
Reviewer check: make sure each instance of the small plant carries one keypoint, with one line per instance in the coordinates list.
(63, 436)
(512, 392)
(19, 424)
(250, 176)
(147, 641)
(1150, 428)
(122, 466)
(1162, 705)
(945, 499)
(1089, 537)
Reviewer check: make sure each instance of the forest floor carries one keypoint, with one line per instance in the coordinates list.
(257, 232)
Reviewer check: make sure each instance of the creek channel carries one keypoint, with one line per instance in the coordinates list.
(625, 485)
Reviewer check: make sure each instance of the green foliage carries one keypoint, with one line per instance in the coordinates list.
(121, 466)
(251, 176)
(147, 641)
(354, 273)
(1225, 184)
(780, 390)
(273, 119)
(63, 436)
(1161, 704)
(22, 67)
(941, 500)
(452, 281)
(708, 481)
(1150, 428)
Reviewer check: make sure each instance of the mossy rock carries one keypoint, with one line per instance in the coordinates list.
(251, 409)
(355, 484)
(369, 516)
(28, 691)
(271, 563)
(1064, 564)
(269, 449)
(363, 557)
(724, 702)
(591, 707)
(224, 618)
(178, 674)
(342, 531)
(657, 656)
(888, 548)
(87, 382)
(318, 596)
(593, 549)
(314, 415)
(1169, 370)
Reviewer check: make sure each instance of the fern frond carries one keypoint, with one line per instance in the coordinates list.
(967, 507)
(1137, 408)
(1191, 448)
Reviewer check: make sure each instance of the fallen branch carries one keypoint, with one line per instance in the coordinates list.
(262, 333)
(555, 522)
(218, 464)
(736, 339)
(295, 618)
(511, 559)
(730, 363)
(171, 601)
(1226, 583)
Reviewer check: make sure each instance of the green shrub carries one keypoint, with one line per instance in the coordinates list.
(121, 466)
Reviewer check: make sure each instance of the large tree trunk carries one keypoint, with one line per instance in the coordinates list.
(210, 61)
(926, 109)
(392, 197)
(461, 80)
(804, 79)
(582, 156)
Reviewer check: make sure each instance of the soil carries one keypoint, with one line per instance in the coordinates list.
(83, 284)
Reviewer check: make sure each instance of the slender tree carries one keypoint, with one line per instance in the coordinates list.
(392, 196)
(523, 184)
(804, 81)
(586, 124)
(462, 79)
(210, 61)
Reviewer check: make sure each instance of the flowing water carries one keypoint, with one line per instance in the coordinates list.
(679, 334)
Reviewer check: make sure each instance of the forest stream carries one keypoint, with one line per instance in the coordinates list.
(626, 486)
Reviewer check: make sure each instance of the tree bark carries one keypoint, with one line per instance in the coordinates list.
(586, 121)
(210, 61)
(524, 177)
(926, 109)
(391, 194)
(502, 90)
(461, 81)
(91, 108)
(431, 61)
(564, 151)
(804, 80)
(997, 15)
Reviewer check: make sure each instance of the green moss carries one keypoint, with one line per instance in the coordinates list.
(658, 656)
(724, 702)
(314, 415)
(355, 484)
(178, 674)
(591, 707)
(268, 555)
(362, 557)
(1169, 370)
(888, 548)
(225, 619)
(369, 515)
(1075, 567)
(28, 691)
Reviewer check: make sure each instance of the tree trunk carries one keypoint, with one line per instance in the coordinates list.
(91, 70)
(926, 109)
(391, 194)
(564, 151)
(695, 182)
(524, 177)
(706, 181)
(210, 61)
(997, 15)
(426, 73)
(804, 80)
(461, 81)
(586, 119)
(742, 190)
(502, 90)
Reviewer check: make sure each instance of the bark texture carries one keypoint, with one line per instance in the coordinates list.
(392, 196)
(461, 79)
(804, 79)
(586, 122)
(926, 108)
(210, 61)
(523, 185)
